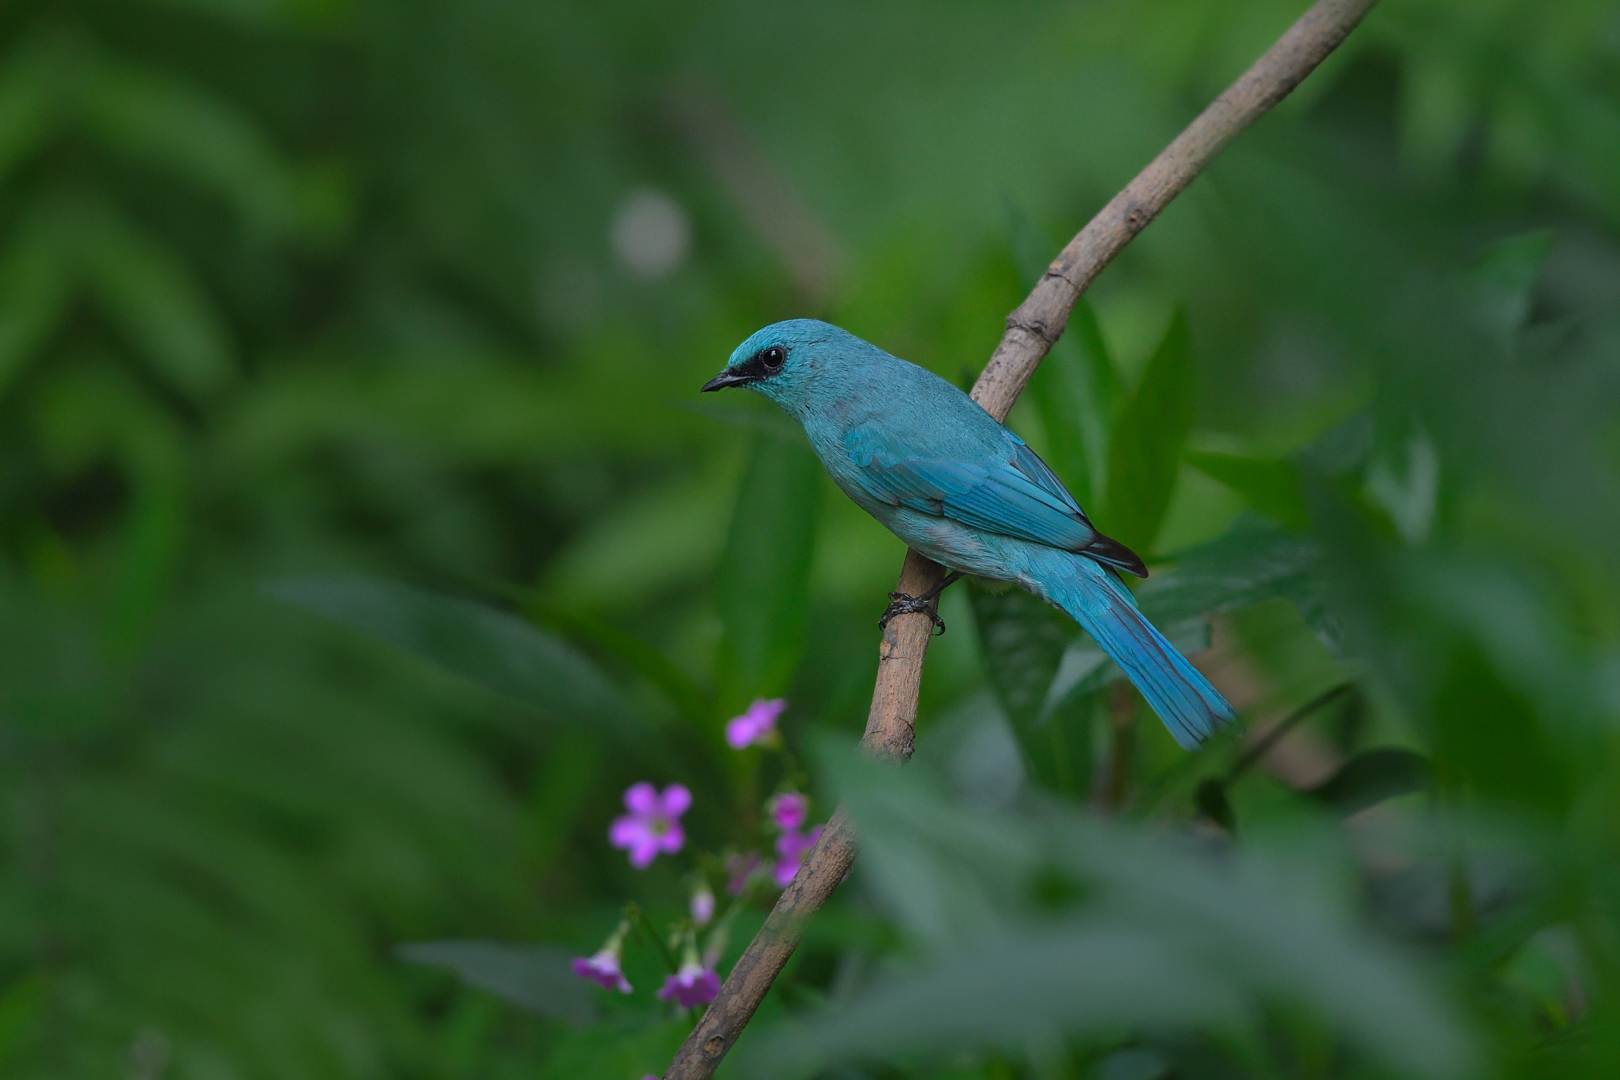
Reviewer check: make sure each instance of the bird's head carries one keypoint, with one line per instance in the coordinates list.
(788, 361)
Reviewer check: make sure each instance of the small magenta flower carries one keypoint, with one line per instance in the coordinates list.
(740, 869)
(789, 811)
(603, 968)
(694, 983)
(702, 904)
(757, 723)
(791, 848)
(653, 824)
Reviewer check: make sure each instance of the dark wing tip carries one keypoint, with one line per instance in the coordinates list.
(1105, 549)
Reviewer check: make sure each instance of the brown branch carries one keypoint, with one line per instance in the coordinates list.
(1031, 329)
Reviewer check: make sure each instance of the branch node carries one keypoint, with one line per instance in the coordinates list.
(1036, 328)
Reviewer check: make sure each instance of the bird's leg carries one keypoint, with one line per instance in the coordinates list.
(904, 604)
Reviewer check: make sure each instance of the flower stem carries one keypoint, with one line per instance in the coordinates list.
(644, 926)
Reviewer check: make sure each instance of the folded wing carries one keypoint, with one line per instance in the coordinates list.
(1016, 495)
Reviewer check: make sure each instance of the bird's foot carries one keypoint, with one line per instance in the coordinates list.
(905, 604)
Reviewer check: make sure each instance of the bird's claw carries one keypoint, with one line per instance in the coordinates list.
(905, 604)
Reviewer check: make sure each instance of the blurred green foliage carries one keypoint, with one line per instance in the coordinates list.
(394, 314)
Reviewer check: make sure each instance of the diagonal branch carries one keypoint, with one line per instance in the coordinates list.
(1031, 329)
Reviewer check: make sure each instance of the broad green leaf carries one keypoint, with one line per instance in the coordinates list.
(1005, 987)
(1052, 916)
(34, 292)
(1023, 641)
(152, 296)
(1076, 398)
(1145, 451)
(1211, 801)
(1505, 278)
(764, 574)
(1253, 562)
(187, 131)
(1272, 486)
(32, 83)
(533, 977)
(488, 647)
(1373, 776)
(1076, 390)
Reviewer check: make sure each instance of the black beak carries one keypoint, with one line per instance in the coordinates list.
(725, 379)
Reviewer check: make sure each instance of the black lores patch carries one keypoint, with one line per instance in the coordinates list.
(763, 364)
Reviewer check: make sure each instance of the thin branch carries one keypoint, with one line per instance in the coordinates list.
(1031, 329)
(1263, 745)
(1108, 792)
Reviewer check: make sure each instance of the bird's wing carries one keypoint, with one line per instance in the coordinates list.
(1016, 495)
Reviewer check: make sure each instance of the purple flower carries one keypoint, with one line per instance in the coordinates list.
(693, 984)
(702, 904)
(789, 811)
(757, 722)
(791, 848)
(603, 968)
(653, 823)
(739, 869)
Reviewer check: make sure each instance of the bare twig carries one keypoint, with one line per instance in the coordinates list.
(1268, 740)
(1108, 791)
(1031, 329)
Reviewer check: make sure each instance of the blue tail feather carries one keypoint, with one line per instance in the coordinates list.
(1189, 706)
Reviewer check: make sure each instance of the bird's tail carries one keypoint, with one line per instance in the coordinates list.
(1189, 706)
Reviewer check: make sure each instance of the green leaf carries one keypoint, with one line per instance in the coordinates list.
(1272, 486)
(1211, 801)
(1252, 562)
(33, 80)
(1077, 397)
(1062, 923)
(1145, 451)
(34, 290)
(1023, 640)
(487, 647)
(187, 131)
(1505, 278)
(1373, 776)
(1005, 986)
(764, 573)
(532, 977)
(1076, 390)
(151, 294)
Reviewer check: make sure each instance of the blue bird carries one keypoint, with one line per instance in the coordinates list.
(924, 459)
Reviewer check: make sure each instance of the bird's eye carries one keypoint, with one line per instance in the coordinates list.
(773, 358)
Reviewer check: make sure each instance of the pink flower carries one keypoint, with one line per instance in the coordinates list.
(791, 848)
(693, 984)
(702, 904)
(789, 810)
(739, 870)
(603, 968)
(757, 722)
(653, 824)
